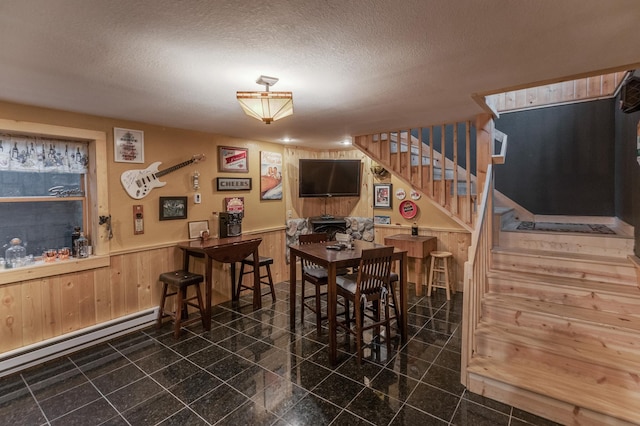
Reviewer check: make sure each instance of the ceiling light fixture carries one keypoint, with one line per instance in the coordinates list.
(266, 106)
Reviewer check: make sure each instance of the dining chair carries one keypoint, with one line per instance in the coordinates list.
(370, 285)
(316, 275)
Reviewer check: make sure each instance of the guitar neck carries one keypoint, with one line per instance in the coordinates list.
(174, 168)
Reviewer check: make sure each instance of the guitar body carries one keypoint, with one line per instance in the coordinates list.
(138, 183)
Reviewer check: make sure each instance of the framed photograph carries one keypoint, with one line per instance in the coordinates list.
(173, 208)
(270, 175)
(382, 220)
(128, 145)
(233, 159)
(382, 196)
(233, 184)
(196, 228)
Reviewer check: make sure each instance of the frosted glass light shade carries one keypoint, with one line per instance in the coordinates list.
(266, 106)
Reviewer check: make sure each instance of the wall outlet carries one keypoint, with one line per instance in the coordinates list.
(197, 198)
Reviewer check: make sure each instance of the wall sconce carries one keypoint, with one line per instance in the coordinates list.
(195, 180)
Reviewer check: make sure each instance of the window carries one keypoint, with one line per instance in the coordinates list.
(48, 188)
(42, 191)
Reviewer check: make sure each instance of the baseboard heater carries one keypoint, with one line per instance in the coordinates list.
(37, 353)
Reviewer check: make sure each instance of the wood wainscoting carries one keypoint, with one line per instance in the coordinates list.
(36, 310)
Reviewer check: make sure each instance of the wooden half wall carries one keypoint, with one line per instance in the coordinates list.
(33, 311)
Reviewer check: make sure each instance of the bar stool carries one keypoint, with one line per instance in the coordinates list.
(264, 262)
(179, 281)
(440, 274)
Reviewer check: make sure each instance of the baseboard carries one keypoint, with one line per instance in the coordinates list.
(28, 356)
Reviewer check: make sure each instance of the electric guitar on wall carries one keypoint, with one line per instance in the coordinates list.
(138, 183)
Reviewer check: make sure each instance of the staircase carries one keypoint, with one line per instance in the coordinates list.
(551, 320)
(559, 326)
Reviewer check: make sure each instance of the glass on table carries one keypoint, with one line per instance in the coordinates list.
(50, 255)
(64, 253)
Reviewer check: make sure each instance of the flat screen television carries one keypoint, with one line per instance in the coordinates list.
(329, 178)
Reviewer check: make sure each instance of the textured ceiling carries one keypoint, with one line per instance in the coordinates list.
(354, 66)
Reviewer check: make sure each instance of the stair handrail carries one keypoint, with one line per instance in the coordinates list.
(502, 138)
(475, 273)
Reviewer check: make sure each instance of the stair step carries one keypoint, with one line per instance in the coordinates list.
(557, 383)
(616, 331)
(565, 264)
(594, 295)
(603, 245)
(580, 358)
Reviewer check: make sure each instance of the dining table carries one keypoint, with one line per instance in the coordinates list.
(333, 260)
(224, 250)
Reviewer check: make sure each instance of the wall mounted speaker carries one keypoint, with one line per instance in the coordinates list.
(630, 95)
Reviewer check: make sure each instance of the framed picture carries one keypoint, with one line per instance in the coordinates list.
(233, 159)
(270, 175)
(128, 145)
(196, 228)
(382, 195)
(173, 208)
(233, 184)
(382, 220)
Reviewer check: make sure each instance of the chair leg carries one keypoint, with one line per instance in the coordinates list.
(273, 293)
(302, 303)
(318, 311)
(358, 311)
(431, 273)
(387, 326)
(165, 287)
(179, 306)
(446, 277)
(200, 304)
(239, 284)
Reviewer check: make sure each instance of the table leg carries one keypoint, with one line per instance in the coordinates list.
(419, 275)
(292, 291)
(233, 282)
(208, 289)
(403, 296)
(332, 301)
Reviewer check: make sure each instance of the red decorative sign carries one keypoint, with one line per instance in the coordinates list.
(408, 209)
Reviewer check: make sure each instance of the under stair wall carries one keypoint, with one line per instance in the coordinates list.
(438, 161)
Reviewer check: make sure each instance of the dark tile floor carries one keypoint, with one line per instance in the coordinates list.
(249, 369)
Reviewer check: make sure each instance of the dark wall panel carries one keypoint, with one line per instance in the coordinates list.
(560, 159)
(627, 195)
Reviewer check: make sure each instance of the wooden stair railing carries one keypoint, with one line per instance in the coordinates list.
(475, 275)
(411, 156)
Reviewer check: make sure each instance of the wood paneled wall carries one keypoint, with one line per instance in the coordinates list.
(565, 91)
(36, 310)
(339, 206)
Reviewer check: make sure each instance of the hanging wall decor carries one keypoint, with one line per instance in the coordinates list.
(270, 175)
(128, 145)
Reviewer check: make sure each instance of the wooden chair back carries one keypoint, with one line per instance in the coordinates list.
(374, 271)
(316, 237)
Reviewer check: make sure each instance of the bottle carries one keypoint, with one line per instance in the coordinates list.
(414, 229)
(81, 246)
(16, 254)
(74, 236)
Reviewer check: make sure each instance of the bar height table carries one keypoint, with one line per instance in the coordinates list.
(418, 247)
